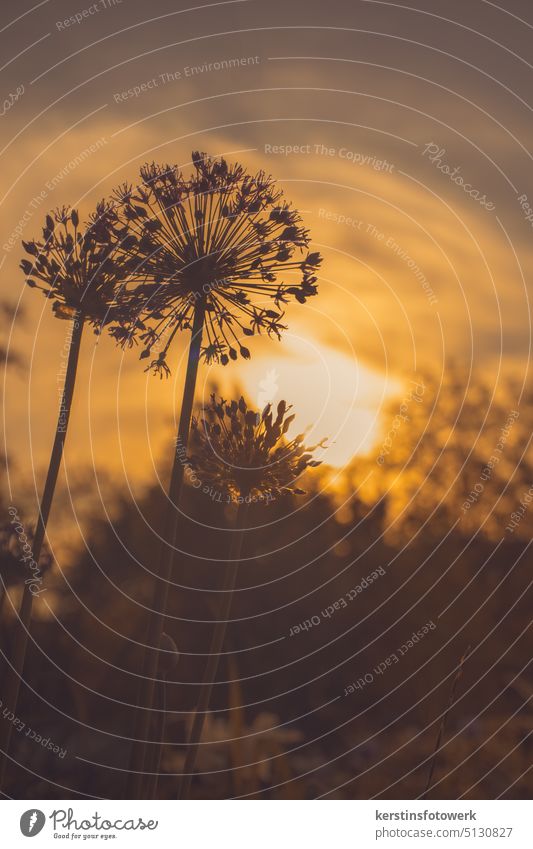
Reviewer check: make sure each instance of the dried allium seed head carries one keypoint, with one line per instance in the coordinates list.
(81, 269)
(245, 453)
(221, 239)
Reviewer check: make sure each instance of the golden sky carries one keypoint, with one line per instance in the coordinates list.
(345, 104)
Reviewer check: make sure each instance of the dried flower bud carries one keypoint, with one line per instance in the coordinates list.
(243, 453)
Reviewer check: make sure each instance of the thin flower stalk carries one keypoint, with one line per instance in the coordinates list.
(219, 253)
(15, 667)
(76, 269)
(169, 657)
(248, 457)
(149, 669)
(215, 649)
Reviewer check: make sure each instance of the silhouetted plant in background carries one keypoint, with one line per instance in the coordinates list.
(282, 683)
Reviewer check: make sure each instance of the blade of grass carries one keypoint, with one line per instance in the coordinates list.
(169, 660)
(442, 725)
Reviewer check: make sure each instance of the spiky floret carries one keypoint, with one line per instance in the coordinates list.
(82, 270)
(242, 452)
(222, 239)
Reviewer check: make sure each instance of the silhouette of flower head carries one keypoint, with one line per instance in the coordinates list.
(222, 240)
(81, 269)
(245, 453)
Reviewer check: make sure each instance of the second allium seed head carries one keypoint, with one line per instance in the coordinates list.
(246, 453)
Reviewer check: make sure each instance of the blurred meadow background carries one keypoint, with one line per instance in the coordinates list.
(413, 360)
